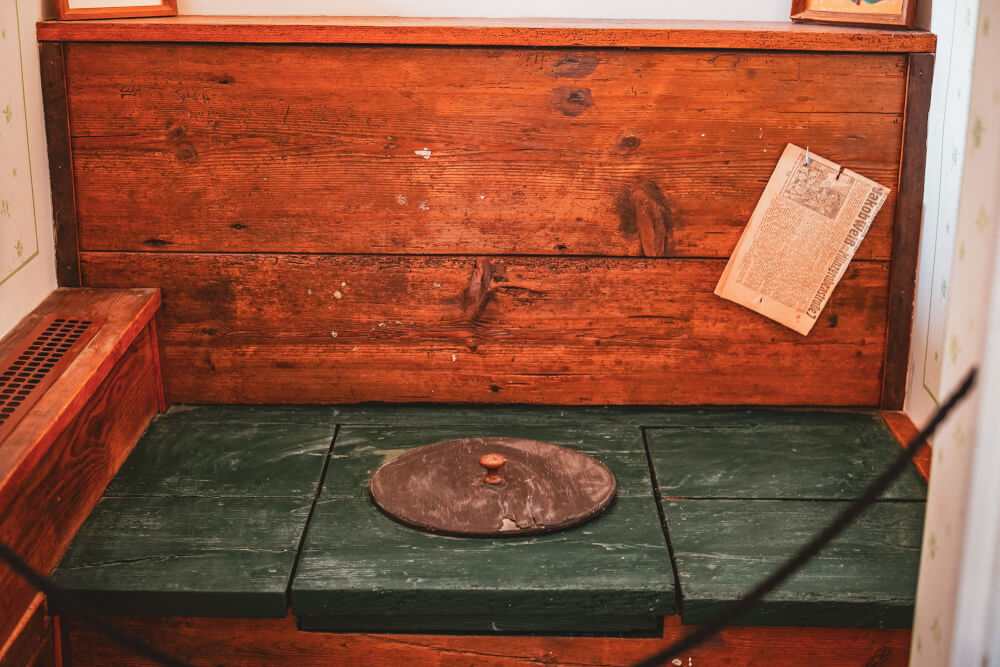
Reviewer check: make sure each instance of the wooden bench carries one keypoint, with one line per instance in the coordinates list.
(214, 515)
(450, 211)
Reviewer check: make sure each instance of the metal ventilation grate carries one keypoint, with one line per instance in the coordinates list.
(35, 364)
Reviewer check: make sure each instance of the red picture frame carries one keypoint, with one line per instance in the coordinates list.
(805, 11)
(68, 13)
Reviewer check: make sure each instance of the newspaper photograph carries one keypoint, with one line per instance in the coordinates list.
(803, 233)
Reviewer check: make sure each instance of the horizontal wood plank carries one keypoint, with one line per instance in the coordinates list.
(327, 329)
(810, 459)
(460, 151)
(495, 32)
(866, 577)
(265, 642)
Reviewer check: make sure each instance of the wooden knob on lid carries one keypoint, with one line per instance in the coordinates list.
(492, 463)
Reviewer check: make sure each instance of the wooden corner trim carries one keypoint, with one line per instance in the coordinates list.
(906, 230)
(57, 134)
(905, 430)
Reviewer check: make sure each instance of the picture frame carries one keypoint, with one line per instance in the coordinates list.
(891, 13)
(76, 10)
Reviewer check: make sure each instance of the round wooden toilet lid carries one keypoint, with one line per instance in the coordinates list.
(493, 487)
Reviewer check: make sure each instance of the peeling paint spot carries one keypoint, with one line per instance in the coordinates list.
(337, 295)
(333, 333)
(437, 284)
(401, 200)
(425, 153)
(424, 205)
(454, 357)
(309, 291)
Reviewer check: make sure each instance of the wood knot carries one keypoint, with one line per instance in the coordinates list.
(479, 290)
(644, 214)
(572, 101)
(175, 133)
(186, 152)
(629, 143)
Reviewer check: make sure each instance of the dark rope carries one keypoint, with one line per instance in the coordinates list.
(75, 606)
(835, 528)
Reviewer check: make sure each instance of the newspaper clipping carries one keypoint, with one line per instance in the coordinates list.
(802, 235)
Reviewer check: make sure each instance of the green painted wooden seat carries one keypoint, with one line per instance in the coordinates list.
(248, 511)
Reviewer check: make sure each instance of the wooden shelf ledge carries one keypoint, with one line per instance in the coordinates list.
(638, 33)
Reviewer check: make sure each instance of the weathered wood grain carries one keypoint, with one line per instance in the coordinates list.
(49, 491)
(867, 577)
(484, 31)
(357, 561)
(230, 455)
(327, 329)
(186, 555)
(905, 430)
(267, 642)
(908, 221)
(460, 151)
(359, 451)
(801, 461)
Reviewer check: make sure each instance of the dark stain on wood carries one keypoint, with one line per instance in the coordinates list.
(572, 101)
(575, 66)
(156, 243)
(644, 214)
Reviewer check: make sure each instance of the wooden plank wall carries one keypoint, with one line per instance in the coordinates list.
(390, 223)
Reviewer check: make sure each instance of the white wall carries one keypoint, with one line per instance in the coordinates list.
(732, 10)
(953, 625)
(27, 264)
(955, 24)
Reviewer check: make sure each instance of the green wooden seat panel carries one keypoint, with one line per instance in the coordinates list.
(168, 556)
(356, 562)
(865, 578)
(825, 456)
(360, 451)
(229, 451)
